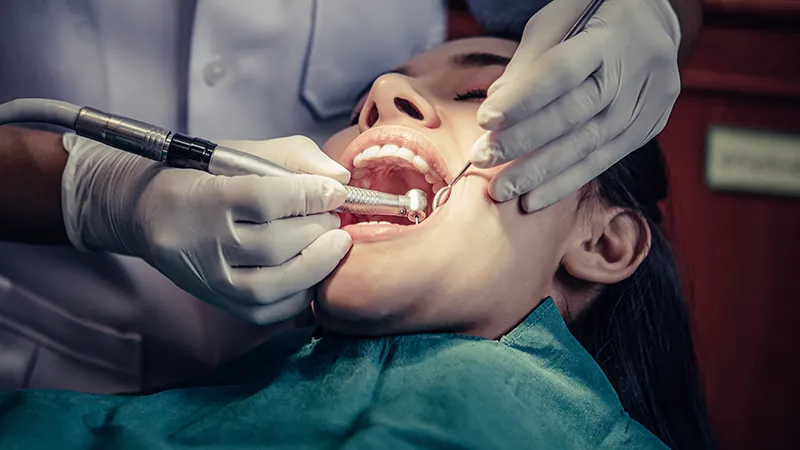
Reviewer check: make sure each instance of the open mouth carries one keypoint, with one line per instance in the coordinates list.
(393, 160)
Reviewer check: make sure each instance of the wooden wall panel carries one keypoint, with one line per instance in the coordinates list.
(740, 252)
(753, 7)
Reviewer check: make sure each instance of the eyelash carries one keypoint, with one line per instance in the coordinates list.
(473, 94)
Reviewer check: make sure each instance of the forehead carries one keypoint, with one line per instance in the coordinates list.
(442, 55)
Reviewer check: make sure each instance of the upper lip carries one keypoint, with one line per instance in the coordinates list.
(402, 137)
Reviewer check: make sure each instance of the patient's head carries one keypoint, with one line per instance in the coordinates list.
(479, 267)
(474, 266)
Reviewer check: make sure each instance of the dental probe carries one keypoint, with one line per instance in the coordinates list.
(183, 151)
(443, 193)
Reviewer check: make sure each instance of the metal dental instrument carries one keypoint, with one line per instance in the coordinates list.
(444, 193)
(183, 151)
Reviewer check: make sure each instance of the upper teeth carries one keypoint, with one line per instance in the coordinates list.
(393, 151)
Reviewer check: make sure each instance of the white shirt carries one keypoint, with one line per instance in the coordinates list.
(218, 69)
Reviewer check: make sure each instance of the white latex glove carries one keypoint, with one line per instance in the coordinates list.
(254, 246)
(567, 112)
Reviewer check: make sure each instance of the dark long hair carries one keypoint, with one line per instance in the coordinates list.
(638, 329)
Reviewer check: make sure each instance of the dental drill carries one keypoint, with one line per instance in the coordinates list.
(182, 151)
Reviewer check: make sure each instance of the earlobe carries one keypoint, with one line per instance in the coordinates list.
(610, 248)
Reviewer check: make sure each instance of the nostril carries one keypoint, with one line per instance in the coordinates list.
(408, 108)
(373, 116)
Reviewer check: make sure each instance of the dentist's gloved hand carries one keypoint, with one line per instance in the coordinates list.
(565, 113)
(251, 245)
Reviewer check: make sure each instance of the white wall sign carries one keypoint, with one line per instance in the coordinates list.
(749, 160)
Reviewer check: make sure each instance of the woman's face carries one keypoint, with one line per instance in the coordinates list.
(473, 266)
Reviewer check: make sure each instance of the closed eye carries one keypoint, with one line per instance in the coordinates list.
(473, 94)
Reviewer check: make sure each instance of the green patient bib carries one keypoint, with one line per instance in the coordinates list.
(534, 388)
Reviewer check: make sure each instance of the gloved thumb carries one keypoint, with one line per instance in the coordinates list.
(69, 140)
(296, 153)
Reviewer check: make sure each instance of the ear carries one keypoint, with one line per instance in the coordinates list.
(609, 248)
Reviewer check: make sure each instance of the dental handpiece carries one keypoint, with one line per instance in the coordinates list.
(183, 151)
(230, 162)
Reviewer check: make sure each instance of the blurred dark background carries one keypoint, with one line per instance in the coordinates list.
(739, 252)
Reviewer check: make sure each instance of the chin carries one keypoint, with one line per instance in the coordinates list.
(348, 299)
(368, 294)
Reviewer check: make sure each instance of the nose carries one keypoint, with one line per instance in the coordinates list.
(393, 100)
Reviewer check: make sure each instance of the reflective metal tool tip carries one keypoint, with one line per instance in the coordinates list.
(417, 204)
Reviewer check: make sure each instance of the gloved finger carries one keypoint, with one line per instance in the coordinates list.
(294, 152)
(274, 243)
(539, 166)
(553, 121)
(267, 285)
(523, 89)
(576, 176)
(263, 199)
(279, 311)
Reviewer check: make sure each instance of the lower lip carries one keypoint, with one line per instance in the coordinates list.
(374, 232)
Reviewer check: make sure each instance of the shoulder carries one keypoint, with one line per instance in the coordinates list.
(492, 369)
(453, 389)
(487, 388)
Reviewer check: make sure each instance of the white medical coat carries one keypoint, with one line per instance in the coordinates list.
(243, 69)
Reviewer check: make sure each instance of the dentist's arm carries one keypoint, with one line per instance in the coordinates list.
(254, 246)
(564, 113)
(690, 16)
(31, 164)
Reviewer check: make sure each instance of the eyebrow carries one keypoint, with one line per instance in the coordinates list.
(469, 60)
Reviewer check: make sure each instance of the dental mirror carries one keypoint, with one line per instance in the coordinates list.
(441, 197)
(444, 193)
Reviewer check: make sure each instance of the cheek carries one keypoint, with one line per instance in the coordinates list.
(501, 261)
(337, 144)
(464, 129)
(482, 266)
